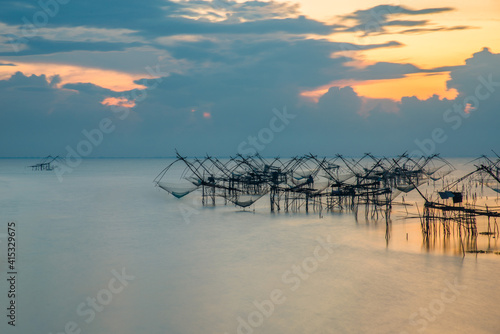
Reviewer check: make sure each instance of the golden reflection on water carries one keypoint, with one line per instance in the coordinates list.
(405, 234)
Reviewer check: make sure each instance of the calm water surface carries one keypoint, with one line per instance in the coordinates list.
(220, 270)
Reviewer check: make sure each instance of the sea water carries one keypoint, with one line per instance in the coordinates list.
(101, 250)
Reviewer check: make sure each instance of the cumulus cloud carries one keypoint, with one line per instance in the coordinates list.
(191, 113)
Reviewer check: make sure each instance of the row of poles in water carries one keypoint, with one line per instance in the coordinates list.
(316, 184)
(306, 183)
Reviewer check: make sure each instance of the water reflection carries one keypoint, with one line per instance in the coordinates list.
(460, 242)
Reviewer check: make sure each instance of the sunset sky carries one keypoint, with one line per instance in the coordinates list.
(205, 76)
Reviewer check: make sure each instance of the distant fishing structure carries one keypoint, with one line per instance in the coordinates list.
(306, 182)
(46, 164)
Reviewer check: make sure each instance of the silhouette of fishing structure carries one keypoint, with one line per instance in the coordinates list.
(46, 163)
(458, 206)
(308, 182)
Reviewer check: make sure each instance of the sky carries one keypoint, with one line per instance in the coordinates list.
(280, 78)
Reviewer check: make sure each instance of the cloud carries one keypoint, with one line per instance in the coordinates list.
(155, 18)
(20, 82)
(180, 26)
(373, 21)
(482, 64)
(75, 28)
(219, 73)
(55, 80)
(425, 30)
(7, 64)
(40, 118)
(40, 46)
(304, 62)
(90, 89)
(189, 111)
(385, 70)
(466, 133)
(227, 10)
(111, 14)
(119, 102)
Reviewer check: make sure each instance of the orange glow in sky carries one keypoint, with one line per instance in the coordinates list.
(114, 80)
(425, 49)
(315, 94)
(118, 101)
(421, 85)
